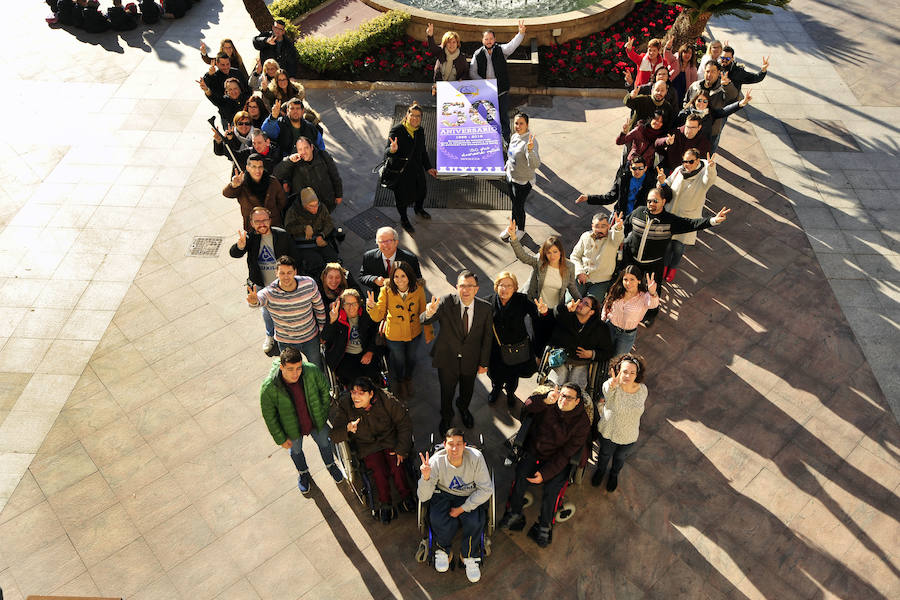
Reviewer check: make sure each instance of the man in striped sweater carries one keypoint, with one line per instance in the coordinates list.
(296, 308)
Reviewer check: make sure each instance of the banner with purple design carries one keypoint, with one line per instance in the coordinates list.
(469, 139)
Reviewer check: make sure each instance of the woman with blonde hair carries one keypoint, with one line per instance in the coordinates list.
(512, 354)
(263, 75)
(333, 281)
(451, 63)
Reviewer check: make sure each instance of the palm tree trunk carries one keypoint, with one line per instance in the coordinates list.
(687, 27)
(260, 14)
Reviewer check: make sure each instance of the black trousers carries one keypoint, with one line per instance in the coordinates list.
(411, 189)
(617, 452)
(449, 378)
(518, 194)
(526, 467)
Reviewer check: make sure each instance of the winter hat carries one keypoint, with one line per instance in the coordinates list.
(307, 195)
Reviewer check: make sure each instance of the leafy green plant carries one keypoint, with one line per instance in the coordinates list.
(339, 52)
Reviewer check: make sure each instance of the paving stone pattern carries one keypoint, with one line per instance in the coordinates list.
(133, 458)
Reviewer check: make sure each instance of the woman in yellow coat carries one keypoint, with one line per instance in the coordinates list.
(399, 304)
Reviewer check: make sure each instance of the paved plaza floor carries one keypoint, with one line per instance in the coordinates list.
(134, 461)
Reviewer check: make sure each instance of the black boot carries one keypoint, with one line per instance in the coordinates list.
(612, 483)
(406, 225)
(598, 477)
(495, 394)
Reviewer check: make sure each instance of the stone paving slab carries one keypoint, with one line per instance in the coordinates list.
(767, 464)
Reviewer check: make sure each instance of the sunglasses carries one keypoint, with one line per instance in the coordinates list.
(725, 58)
(689, 162)
(243, 123)
(638, 167)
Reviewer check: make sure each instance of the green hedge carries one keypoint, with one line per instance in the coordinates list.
(337, 53)
(290, 10)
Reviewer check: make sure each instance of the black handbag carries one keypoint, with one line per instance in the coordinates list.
(389, 175)
(513, 354)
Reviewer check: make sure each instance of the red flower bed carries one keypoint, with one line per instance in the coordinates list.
(406, 59)
(599, 60)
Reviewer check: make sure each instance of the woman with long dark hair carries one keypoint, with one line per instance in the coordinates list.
(522, 162)
(552, 274)
(400, 302)
(683, 70)
(626, 303)
(406, 153)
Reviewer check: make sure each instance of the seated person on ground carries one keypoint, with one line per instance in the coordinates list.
(121, 19)
(457, 481)
(310, 223)
(379, 427)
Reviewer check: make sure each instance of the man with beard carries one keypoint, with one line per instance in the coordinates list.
(311, 167)
(672, 147)
(488, 63)
(643, 106)
(286, 130)
(262, 246)
(594, 255)
(721, 92)
(256, 187)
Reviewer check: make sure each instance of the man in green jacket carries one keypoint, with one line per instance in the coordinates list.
(295, 401)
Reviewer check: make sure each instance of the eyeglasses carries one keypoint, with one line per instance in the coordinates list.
(243, 123)
(465, 286)
(638, 167)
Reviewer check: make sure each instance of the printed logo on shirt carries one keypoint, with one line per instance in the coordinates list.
(459, 484)
(265, 255)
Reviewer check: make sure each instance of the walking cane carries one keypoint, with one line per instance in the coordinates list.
(212, 123)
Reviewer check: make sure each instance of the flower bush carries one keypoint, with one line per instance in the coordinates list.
(600, 58)
(343, 51)
(407, 57)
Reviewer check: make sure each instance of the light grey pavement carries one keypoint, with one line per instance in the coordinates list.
(133, 458)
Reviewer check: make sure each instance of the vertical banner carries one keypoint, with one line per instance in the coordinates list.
(469, 138)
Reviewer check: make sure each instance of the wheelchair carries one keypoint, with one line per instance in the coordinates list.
(425, 550)
(337, 387)
(563, 509)
(361, 480)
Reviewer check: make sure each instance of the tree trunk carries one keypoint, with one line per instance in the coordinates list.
(687, 27)
(260, 14)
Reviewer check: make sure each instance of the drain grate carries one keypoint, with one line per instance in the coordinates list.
(461, 192)
(367, 223)
(207, 245)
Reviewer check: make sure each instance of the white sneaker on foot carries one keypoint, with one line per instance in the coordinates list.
(269, 344)
(441, 561)
(473, 571)
(504, 236)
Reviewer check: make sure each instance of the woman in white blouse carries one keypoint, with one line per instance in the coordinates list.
(623, 402)
(552, 274)
(626, 303)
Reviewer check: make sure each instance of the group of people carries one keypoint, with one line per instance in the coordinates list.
(87, 15)
(575, 312)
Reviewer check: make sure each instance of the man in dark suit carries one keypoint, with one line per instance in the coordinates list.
(263, 246)
(375, 263)
(463, 345)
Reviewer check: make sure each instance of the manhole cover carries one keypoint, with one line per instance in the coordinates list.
(367, 223)
(461, 192)
(820, 135)
(205, 246)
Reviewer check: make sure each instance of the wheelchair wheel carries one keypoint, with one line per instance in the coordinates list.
(565, 512)
(529, 499)
(422, 551)
(487, 546)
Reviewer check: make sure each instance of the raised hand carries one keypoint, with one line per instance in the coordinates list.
(276, 109)
(617, 219)
(217, 137)
(370, 299)
(669, 44)
(335, 311)
(725, 78)
(660, 175)
(541, 306)
(203, 86)
(433, 305)
(711, 159)
(511, 229)
(203, 48)
(294, 158)
(271, 41)
(625, 127)
(582, 278)
(212, 69)
(572, 305)
(429, 29)
(634, 91)
(670, 139)
(721, 216)
(237, 180)
(522, 26)
(393, 145)
(229, 131)
(252, 298)
(530, 142)
(629, 43)
(352, 426)
(765, 64)
(425, 469)
(242, 239)
(629, 78)
(650, 280)
(258, 67)
(613, 378)
(747, 98)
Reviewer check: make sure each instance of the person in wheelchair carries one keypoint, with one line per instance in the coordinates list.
(379, 427)
(581, 336)
(309, 223)
(559, 430)
(457, 481)
(349, 336)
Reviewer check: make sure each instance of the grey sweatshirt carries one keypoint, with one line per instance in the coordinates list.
(471, 479)
(520, 163)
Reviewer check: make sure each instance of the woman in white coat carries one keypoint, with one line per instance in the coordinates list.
(689, 184)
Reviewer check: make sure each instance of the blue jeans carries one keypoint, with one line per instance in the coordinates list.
(597, 290)
(622, 341)
(326, 449)
(444, 526)
(309, 349)
(267, 319)
(402, 357)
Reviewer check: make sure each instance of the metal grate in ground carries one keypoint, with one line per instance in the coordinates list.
(366, 223)
(459, 192)
(207, 246)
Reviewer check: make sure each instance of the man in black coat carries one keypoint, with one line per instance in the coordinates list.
(462, 349)
(579, 331)
(376, 263)
(737, 72)
(629, 189)
(263, 246)
(274, 44)
(218, 73)
(489, 62)
(311, 167)
(287, 129)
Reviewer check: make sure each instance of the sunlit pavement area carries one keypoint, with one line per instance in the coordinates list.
(133, 458)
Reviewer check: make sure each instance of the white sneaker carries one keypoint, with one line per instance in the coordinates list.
(504, 236)
(269, 344)
(441, 561)
(473, 571)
